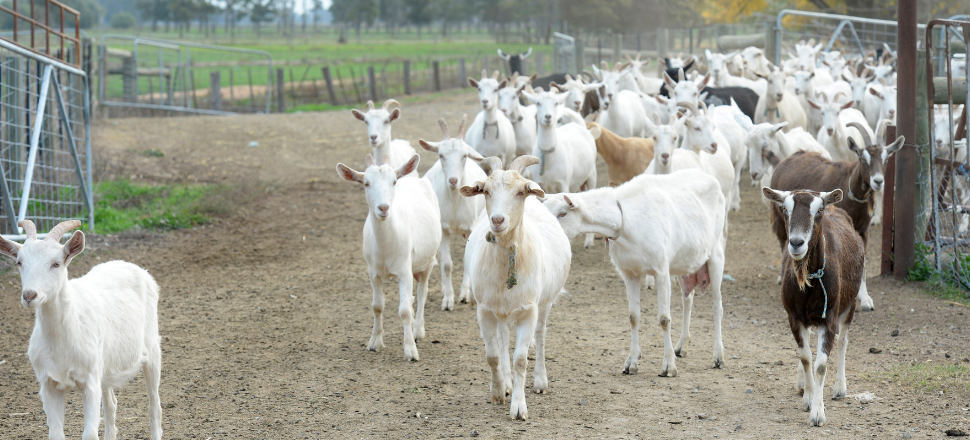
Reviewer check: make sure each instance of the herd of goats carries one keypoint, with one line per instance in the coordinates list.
(674, 149)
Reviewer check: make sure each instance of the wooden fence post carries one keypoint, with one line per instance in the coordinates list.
(372, 82)
(437, 76)
(280, 92)
(462, 82)
(215, 91)
(329, 80)
(407, 77)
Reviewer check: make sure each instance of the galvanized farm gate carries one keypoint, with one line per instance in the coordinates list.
(151, 74)
(563, 53)
(947, 222)
(853, 36)
(45, 138)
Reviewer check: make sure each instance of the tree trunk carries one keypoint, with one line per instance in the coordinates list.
(155, 25)
(358, 31)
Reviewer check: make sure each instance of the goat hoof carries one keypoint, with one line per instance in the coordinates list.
(718, 363)
(669, 372)
(630, 369)
(680, 352)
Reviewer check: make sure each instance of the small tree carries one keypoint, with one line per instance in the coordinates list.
(123, 20)
(260, 12)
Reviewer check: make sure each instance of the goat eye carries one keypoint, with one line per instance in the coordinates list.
(395, 182)
(20, 263)
(55, 265)
(561, 215)
(366, 185)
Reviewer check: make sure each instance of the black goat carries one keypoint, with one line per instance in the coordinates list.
(515, 61)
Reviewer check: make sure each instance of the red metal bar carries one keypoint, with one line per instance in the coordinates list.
(962, 125)
(15, 20)
(61, 34)
(47, 20)
(907, 159)
(887, 207)
(44, 24)
(32, 45)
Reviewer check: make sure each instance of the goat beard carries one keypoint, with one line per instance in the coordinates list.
(800, 269)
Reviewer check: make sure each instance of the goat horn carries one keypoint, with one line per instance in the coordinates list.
(62, 228)
(444, 127)
(491, 163)
(387, 104)
(836, 98)
(862, 131)
(522, 162)
(689, 106)
(461, 126)
(370, 105)
(495, 75)
(29, 228)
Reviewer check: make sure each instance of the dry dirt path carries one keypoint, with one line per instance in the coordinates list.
(264, 317)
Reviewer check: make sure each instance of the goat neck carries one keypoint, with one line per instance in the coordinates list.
(492, 114)
(56, 319)
(859, 184)
(546, 136)
(813, 261)
(603, 213)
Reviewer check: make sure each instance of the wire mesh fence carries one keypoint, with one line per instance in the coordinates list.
(943, 211)
(45, 155)
(853, 36)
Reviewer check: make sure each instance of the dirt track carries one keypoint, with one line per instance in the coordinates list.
(264, 317)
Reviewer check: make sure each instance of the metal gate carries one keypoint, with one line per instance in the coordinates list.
(146, 73)
(947, 231)
(563, 54)
(45, 138)
(853, 36)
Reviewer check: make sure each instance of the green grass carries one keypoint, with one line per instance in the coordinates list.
(933, 377)
(123, 205)
(945, 285)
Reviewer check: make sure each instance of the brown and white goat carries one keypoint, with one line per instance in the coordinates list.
(859, 180)
(821, 246)
(625, 158)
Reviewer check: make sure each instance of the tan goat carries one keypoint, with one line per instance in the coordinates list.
(625, 158)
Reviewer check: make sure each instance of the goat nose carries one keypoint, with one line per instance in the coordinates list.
(830, 131)
(497, 220)
(665, 156)
(30, 295)
(373, 137)
(796, 242)
(878, 180)
(383, 207)
(453, 181)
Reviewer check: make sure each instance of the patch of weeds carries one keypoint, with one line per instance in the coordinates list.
(321, 107)
(122, 205)
(933, 377)
(153, 153)
(948, 284)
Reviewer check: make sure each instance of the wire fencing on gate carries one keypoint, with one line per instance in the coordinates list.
(153, 76)
(853, 36)
(563, 53)
(45, 139)
(943, 226)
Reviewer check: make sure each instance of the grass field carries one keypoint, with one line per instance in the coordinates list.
(303, 58)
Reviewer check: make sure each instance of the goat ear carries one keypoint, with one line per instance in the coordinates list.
(409, 167)
(596, 130)
(472, 190)
(430, 146)
(895, 146)
(707, 53)
(874, 92)
(774, 196)
(349, 174)
(553, 84)
(670, 81)
(832, 197)
(74, 246)
(703, 83)
(760, 75)
(473, 155)
(534, 189)
(650, 125)
(855, 146)
(569, 202)
(358, 114)
(502, 84)
(395, 114)
(814, 105)
(777, 127)
(472, 82)
(530, 97)
(9, 248)
(847, 105)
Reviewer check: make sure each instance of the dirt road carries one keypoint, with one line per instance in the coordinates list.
(265, 314)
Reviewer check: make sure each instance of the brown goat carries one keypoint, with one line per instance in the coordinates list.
(859, 181)
(625, 158)
(821, 246)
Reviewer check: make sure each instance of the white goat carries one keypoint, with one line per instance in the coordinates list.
(859, 84)
(402, 233)
(379, 133)
(520, 259)
(880, 103)
(835, 133)
(734, 133)
(491, 133)
(778, 105)
(686, 240)
(91, 333)
(621, 111)
(567, 153)
(648, 85)
(723, 78)
(522, 117)
(456, 167)
(577, 90)
(756, 64)
(806, 53)
(764, 138)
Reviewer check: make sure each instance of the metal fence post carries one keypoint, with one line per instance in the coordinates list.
(437, 75)
(540, 65)
(372, 83)
(328, 78)
(407, 77)
(280, 92)
(215, 90)
(462, 74)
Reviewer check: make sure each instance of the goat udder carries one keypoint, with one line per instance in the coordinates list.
(701, 279)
